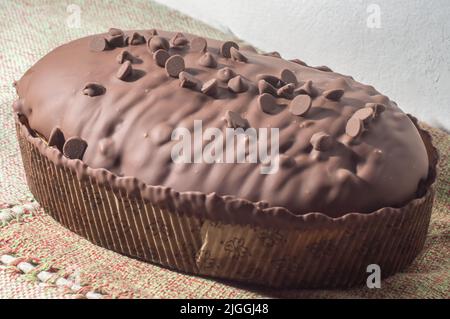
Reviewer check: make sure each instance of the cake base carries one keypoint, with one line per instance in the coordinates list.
(318, 253)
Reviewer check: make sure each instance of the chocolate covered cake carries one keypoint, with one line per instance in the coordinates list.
(216, 160)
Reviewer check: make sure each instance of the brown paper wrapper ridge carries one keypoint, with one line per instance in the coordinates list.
(321, 255)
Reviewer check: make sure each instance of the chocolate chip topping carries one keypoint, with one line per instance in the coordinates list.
(365, 114)
(179, 40)
(210, 87)
(124, 56)
(124, 70)
(288, 76)
(237, 84)
(157, 42)
(235, 120)
(187, 80)
(377, 107)
(115, 38)
(266, 87)
(74, 148)
(126, 113)
(93, 89)
(98, 44)
(56, 138)
(300, 105)
(272, 79)
(115, 32)
(306, 88)
(286, 91)
(236, 55)
(354, 127)
(115, 41)
(161, 56)
(226, 47)
(137, 39)
(321, 141)
(225, 74)
(207, 60)
(152, 32)
(174, 65)
(334, 94)
(268, 104)
(199, 44)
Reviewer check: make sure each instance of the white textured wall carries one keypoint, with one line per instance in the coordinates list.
(406, 58)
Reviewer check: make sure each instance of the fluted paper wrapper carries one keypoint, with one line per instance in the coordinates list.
(329, 254)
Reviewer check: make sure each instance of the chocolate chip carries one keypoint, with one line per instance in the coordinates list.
(300, 105)
(334, 94)
(152, 32)
(115, 37)
(225, 74)
(157, 42)
(365, 114)
(274, 54)
(210, 87)
(237, 84)
(306, 88)
(207, 60)
(323, 68)
(124, 56)
(225, 48)
(93, 89)
(266, 87)
(288, 76)
(160, 57)
(98, 44)
(268, 104)
(298, 61)
(137, 39)
(321, 141)
(174, 65)
(115, 32)
(354, 127)
(199, 44)
(187, 80)
(236, 55)
(179, 40)
(275, 81)
(148, 34)
(235, 120)
(124, 71)
(74, 148)
(56, 138)
(377, 107)
(286, 91)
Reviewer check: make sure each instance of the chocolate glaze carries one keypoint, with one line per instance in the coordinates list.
(380, 168)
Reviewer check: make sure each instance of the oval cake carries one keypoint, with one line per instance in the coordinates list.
(217, 160)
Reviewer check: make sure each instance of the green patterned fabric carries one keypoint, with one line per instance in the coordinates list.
(32, 28)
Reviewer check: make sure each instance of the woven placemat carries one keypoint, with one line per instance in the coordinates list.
(41, 259)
